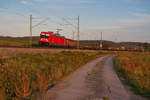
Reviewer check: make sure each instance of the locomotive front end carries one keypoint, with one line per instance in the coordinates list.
(44, 38)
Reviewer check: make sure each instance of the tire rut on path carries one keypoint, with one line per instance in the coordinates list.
(115, 89)
(94, 81)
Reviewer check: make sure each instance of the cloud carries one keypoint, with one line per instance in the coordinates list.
(139, 21)
(68, 1)
(63, 0)
(126, 29)
(42, 0)
(25, 2)
(141, 15)
(98, 28)
(136, 28)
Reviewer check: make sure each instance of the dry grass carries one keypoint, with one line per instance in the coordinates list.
(22, 75)
(135, 69)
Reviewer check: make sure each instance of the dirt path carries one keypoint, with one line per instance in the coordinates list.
(74, 86)
(113, 86)
(94, 81)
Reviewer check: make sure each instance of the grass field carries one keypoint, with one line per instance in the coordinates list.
(13, 42)
(135, 69)
(27, 75)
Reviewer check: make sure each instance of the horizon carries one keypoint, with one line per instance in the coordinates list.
(80, 40)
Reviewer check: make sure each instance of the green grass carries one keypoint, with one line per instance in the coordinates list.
(135, 69)
(23, 43)
(24, 73)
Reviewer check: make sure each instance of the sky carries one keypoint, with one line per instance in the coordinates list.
(118, 20)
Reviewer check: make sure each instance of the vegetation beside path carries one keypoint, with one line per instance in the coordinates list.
(27, 76)
(134, 68)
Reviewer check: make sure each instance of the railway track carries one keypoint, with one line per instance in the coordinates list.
(69, 48)
(46, 47)
(36, 47)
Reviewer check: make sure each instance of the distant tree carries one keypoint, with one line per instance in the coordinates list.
(146, 46)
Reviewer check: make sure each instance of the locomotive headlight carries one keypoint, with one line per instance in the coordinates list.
(46, 39)
(41, 39)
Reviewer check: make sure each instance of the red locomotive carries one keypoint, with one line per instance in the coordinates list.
(53, 39)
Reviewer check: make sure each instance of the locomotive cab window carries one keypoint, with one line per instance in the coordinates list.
(42, 35)
(45, 35)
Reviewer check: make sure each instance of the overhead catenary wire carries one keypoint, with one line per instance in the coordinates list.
(36, 22)
(56, 22)
(14, 12)
(69, 22)
(41, 22)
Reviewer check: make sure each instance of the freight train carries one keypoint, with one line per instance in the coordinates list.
(54, 39)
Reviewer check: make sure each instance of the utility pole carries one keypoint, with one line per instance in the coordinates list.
(30, 30)
(97, 43)
(78, 32)
(101, 44)
(72, 35)
(33, 26)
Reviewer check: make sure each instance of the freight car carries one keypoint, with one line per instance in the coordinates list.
(53, 39)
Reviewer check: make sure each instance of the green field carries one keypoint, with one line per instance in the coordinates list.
(135, 69)
(27, 74)
(15, 42)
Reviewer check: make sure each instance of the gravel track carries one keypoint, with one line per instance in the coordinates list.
(96, 80)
